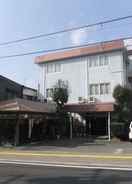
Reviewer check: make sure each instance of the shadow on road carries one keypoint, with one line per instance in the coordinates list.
(95, 177)
(77, 142)
(52, 175)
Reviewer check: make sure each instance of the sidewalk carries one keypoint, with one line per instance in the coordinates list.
(76, 152)
(82, 146)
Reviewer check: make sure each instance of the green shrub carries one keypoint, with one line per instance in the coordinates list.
(120, 130)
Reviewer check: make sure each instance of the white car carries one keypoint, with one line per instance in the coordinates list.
(130, 131)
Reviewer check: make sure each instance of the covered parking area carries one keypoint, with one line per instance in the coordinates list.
(22, 119)
(96, 118)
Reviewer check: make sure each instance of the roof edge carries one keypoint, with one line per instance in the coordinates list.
(90, 49)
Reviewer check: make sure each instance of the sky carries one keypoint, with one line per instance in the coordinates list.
(20, 19)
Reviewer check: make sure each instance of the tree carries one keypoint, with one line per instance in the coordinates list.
(123, 103)
(60, 94)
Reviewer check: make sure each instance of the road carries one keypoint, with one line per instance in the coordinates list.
(23, 174)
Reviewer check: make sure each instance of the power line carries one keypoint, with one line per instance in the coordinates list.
(59, 49)
(43, 51)
(66, 30)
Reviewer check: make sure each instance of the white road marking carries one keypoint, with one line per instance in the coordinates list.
(69, 165)
(118, 151)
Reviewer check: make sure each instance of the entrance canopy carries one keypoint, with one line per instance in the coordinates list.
(85, 108)
(22, 105)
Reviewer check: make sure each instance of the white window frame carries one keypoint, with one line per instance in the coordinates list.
(100, 89)
(98, 60)
(94, 89)
(53, 68)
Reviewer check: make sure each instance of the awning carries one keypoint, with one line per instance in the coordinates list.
(28, 106)
(95, 107)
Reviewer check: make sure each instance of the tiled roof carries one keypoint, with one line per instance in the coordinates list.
(89, 50)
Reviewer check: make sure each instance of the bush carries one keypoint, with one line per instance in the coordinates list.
(120, 130)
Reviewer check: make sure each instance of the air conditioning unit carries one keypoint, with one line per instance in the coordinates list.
(49, 99)
(82, 100)
(92, 99)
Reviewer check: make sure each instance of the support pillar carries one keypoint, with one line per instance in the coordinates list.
(30, 126)
(109, 138)
(90, 128)
(16, 142)
(71, 124)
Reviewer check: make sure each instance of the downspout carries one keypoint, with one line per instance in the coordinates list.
(87, 79)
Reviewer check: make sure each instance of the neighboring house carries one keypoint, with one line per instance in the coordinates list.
(92, 73)
(22, 116)
(29, 93)
(10, 90)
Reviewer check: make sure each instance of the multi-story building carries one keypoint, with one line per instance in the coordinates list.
(92, 73)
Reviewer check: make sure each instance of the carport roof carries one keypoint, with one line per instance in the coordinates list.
(85, 108)
(28, 106)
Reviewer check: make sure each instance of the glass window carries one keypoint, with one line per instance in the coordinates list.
(96, 89)
(103, 60)
(100, 60)
(57, 67)
(91, 89)
(107, 86)
(96, 63)
(93, 61)
(102, 89)
(49, 68)
(54, 67)
(106, 62)
(90, 62)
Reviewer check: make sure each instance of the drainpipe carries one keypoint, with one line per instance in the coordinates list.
(87, 79)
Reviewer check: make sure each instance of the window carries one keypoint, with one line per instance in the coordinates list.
(107, 88)
(53, 67)
(103, 88)
(49, 68)
(103, 60)
(57, 67)
(100, 60)
(91, 89)
(94, 89)
(93, 62)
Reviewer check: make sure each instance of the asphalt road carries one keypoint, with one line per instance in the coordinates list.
(16, 174)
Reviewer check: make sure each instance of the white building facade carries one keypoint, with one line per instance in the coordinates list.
(92, 73)
(91, 76)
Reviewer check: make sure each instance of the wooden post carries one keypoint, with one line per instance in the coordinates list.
(109, 126)
(90, 128)
(71, 122)
(16, 142)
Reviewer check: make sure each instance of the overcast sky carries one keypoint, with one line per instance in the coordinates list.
(26, 18)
